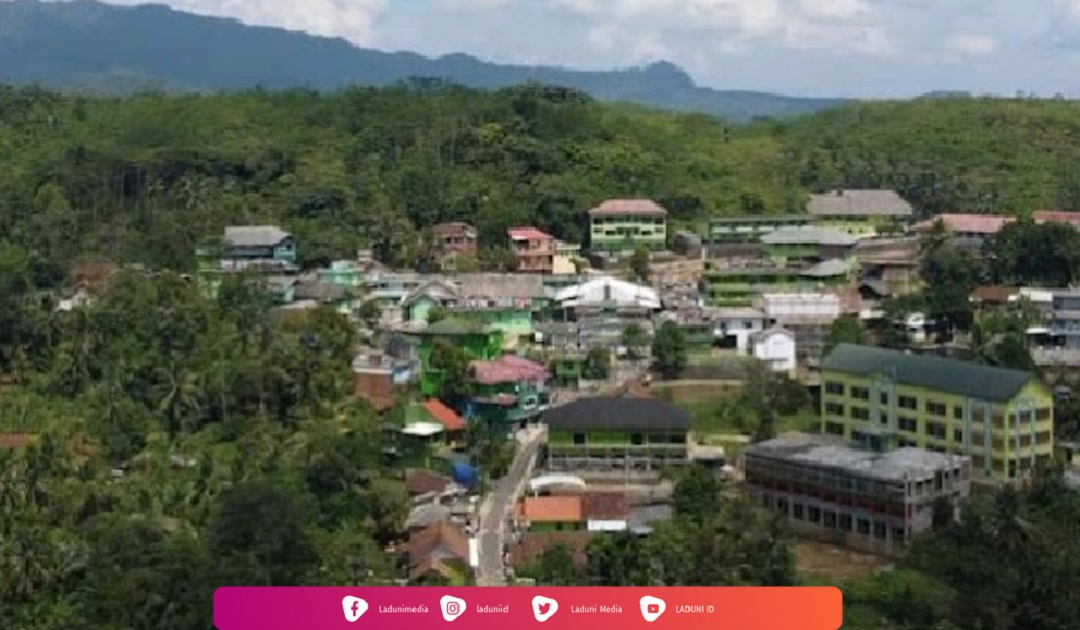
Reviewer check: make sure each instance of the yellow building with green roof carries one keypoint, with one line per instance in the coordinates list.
(885, 399)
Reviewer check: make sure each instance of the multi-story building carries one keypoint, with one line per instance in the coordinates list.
(808, 245)
(456, 237)
(534, 250)
(623, 225)
(885, 399)
(743, 230)
(863, 212)
(509, 391)
(616, 434)
(477, 341)
(871, 501)
(262, 249)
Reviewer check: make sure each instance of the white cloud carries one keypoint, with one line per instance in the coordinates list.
(973, 45)
(351, 19)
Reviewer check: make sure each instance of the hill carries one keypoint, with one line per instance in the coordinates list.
(103, 48)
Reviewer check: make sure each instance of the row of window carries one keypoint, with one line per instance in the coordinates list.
(911, 403)
(829, 519)
(636, 439)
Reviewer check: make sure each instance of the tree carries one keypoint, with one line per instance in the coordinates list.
(370, 312)
(597, 363)
(455, 379)
(634, 338)
(844, 330)
(697, 495)
(639, 263)
(556, 566)
(669, 351)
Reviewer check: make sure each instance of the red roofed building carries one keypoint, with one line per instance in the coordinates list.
(1057, 216)
(445, 416)
(967, 230)
(535, 250)
(510, 390)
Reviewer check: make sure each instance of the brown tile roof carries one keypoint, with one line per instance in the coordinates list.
(453, 228)
(428, 547)
(552, 509)
(605, 506)
(534, 544)
(966, 223)
(994, 293)
(857, 203)
(444, 415)
(16, 440)
(1056, 216)
(423, 481)
(622, 207)
(528, 233)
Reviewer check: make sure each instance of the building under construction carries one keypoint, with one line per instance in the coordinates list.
(864, 500)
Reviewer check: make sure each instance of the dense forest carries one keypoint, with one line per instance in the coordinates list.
(182, 443)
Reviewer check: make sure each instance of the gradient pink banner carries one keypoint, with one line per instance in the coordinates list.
(423, 608)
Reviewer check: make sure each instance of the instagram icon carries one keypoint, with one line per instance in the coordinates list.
(452, 607)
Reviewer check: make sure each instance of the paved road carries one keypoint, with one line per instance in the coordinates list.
(496, 510)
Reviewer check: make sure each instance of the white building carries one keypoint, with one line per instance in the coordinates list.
(736, 326)
(776, 348)
(608, 292)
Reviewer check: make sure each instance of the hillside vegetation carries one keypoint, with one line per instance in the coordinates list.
(143, 178)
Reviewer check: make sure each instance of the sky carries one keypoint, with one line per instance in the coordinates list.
(851, 48)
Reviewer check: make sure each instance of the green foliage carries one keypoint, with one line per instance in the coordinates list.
(450, 361)
(598, 363)
(669, 351)
(1025, 253)
(634, 338)
(845, 330)
(639, 264)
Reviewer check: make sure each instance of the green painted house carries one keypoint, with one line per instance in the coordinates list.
(737, 287)
(624, 225)
(750, 229)
(885, 399)
(479, 343)
(616, 434)
(861, 212)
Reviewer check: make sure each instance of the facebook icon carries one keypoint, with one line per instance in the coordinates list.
(354, 608)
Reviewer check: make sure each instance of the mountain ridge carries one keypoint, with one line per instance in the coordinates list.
(89, 45)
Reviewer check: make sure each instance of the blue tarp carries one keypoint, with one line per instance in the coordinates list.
(465, 475)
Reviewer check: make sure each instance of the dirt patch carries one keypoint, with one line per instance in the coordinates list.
(835, 564)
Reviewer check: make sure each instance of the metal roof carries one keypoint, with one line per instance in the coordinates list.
(902, 464)
(809, 235)
(859, 203)
(953, 376)
(255, 235)
(628, 414)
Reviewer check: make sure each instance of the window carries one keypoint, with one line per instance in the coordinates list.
(898, 534)
(958, 435)
(884, 398)
(834, 428)
(834, 409)
(860, 393)
(908, 425)
(860, 413)
(936, 430)
(936, 408)
(798, 511)
(829, 520)
(637, 439)
(579, 439)
(813, 514)
(845, 522)
(879, 530)
(863, 526)
(958, 413)
(908, 402)
(834, 389)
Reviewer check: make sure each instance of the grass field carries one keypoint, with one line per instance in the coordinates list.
(821, 563)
